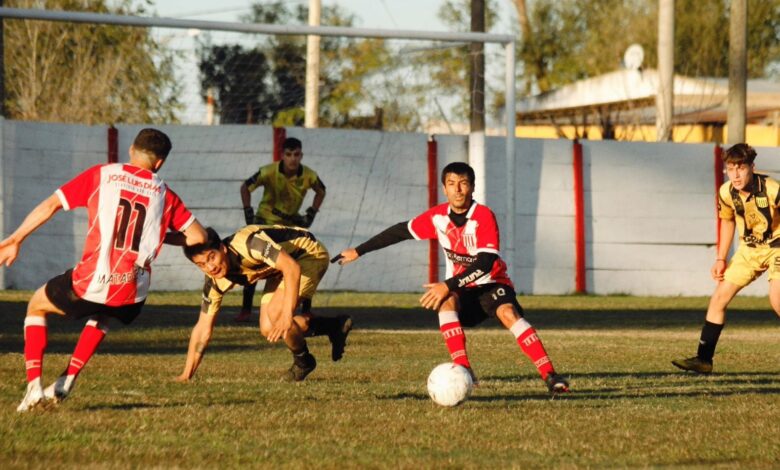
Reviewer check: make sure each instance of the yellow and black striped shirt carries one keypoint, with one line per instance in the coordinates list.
(757, 215)
(251, 255)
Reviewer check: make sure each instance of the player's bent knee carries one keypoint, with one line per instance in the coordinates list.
(449, 304)
(40, 305)
(507, 314)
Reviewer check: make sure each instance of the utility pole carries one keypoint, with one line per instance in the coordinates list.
(477, 94)
(664, 99)
(2, 67)
(312, 105)
(737, 107)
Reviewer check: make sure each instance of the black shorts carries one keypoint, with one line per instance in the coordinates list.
(478, 303)
(60, 292)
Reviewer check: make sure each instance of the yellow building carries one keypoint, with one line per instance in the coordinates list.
(621, 104)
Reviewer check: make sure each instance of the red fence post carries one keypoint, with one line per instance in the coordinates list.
(433, 250)
(718, 182)
(113, 145)
(579, 221)
(280, 134)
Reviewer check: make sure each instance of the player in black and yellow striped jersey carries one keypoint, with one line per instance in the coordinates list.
(285, 185)
(292, 262)
(750, 203)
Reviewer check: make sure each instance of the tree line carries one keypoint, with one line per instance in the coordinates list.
(76, 73)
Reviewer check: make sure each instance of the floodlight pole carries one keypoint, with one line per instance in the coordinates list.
(509, 229)
(737, 103)
(312, 102)
(302, 30)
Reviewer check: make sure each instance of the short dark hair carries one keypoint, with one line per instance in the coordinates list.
(291, 143)
(213, 242)
(459, 168)
(739, 153)
(153, 141)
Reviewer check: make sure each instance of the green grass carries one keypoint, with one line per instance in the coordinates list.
(629, 407)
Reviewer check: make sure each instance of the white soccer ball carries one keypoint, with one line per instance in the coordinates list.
(449, 384)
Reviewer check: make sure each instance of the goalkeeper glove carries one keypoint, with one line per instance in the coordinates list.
(309, 217)
(249, 215)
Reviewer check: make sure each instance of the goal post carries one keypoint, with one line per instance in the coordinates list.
(476, 152)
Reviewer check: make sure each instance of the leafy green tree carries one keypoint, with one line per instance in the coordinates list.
(447, 68)
(86, 73)
(566, 40)
(346, 65)
(238, 76)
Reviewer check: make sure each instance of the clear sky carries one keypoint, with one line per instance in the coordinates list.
(384, 14)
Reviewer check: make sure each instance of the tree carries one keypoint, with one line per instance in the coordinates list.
(86, 73)
(566, 40)
(238, 76)
(277, 91)
(448, 67)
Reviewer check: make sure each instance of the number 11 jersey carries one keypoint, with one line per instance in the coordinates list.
(129, 210)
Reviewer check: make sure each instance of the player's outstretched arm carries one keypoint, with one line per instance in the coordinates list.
(195, 234)
(390, 236)
(345, 257)
(9, 248)
(199, 340)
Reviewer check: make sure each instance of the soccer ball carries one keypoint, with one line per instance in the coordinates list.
(449, 384)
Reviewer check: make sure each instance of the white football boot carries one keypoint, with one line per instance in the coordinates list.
(33, 397)
(60, 388)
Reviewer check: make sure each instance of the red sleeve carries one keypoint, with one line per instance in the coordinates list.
(487, 232)
(181, 217)
(76, 192)
(421, 227)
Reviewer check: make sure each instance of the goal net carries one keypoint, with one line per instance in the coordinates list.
(224, 98)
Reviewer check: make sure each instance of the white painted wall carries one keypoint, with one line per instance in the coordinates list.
(650, 211)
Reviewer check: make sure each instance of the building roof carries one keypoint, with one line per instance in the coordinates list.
(628, 96)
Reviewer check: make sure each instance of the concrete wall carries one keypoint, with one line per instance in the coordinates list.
(650, 213)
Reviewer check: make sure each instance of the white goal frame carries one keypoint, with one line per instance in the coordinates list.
(476, 152)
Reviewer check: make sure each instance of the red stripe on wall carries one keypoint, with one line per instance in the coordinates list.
(433, 250)
(113, 145)
(718, 167)
(280, 134)
(579, 221)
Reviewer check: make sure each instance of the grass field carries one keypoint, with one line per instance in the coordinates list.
(629, 407)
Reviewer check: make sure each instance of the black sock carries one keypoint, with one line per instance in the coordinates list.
(301, 357)
(709, 339)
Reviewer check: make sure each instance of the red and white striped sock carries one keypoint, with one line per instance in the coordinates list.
(91, 336)
(454, 338)
(35, 340)
(532, 346)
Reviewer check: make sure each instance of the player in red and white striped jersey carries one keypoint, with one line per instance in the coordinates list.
(477, 284)
(130, 211)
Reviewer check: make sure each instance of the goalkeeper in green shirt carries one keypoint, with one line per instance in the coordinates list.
(285, 184)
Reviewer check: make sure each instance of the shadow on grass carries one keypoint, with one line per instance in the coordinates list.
(156, 317)
(600, 394)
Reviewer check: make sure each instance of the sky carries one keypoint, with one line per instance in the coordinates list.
(384, 14)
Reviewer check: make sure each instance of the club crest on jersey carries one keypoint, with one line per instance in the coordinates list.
(470, 240)
(762, 202)
(469, 236)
